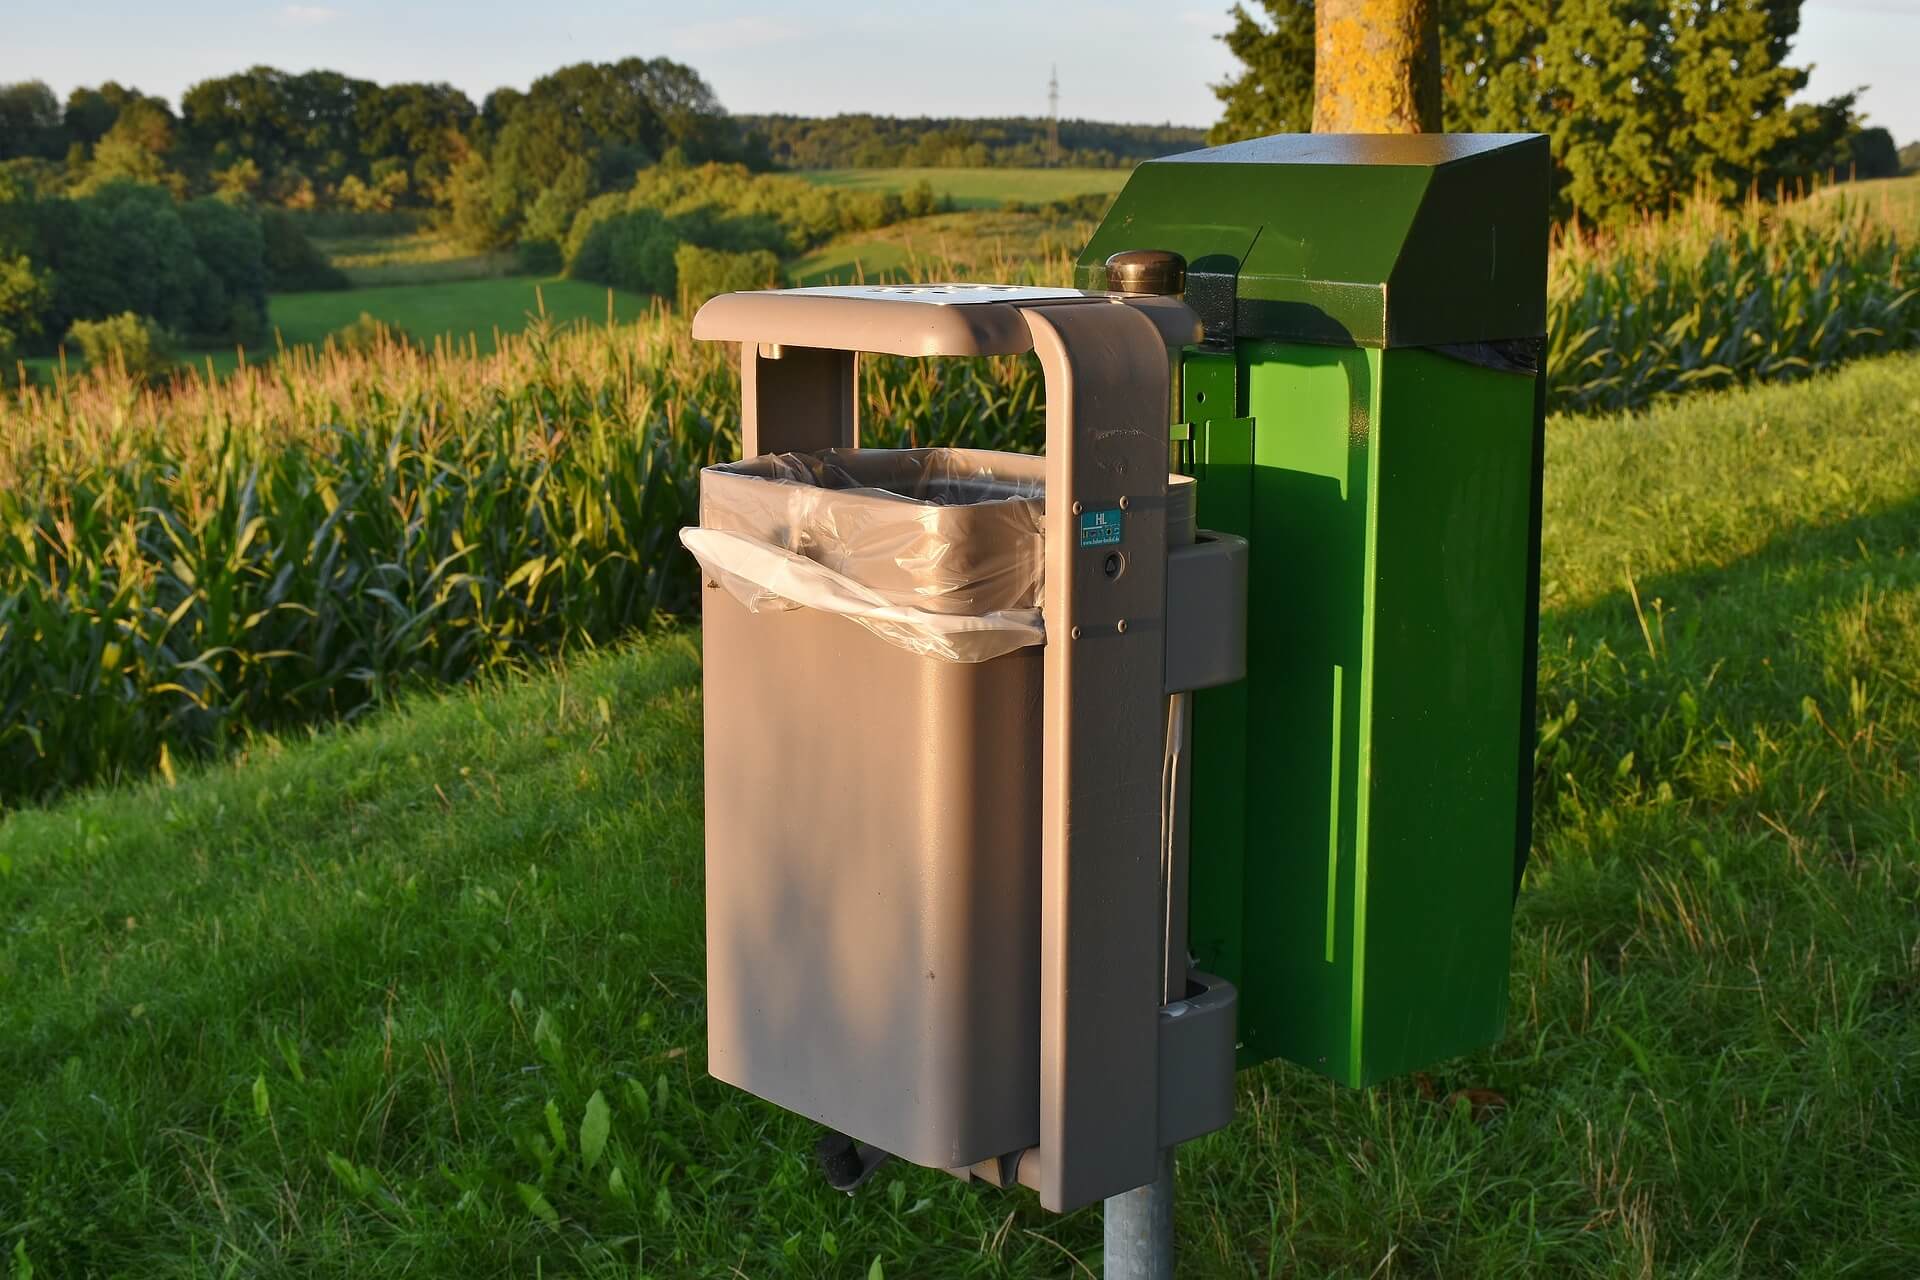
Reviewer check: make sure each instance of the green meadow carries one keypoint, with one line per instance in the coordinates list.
(423, 995)
(476, 309)
(987, 188)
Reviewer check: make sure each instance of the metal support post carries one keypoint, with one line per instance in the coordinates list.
(1139, 1227)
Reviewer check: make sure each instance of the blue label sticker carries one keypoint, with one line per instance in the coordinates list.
(1101, 528)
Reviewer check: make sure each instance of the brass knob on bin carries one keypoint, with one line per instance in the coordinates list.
(1147, 271)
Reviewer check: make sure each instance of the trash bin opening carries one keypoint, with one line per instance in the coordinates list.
(940, 477)
(938, 551)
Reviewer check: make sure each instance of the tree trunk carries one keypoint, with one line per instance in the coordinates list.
(1376, 66)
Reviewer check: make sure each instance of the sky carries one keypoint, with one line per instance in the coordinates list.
(1147, 61)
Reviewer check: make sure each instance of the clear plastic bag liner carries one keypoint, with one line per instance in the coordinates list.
(762, 576)
(939, 551)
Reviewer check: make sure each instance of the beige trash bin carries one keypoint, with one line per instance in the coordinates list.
(945, 844)
(873, 696)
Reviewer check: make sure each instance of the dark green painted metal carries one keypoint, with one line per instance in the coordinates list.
(1361, 800)
(1222, 460)
(1378, 241)
(1355, 798)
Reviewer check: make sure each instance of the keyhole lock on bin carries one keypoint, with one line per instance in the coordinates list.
(1042, 792)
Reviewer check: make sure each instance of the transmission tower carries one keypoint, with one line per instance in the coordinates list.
(1053, 117)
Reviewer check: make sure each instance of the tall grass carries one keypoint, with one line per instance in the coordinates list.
(181, 565)
(1715, 297)
(297, 542)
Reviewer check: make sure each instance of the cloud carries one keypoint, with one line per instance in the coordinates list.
(307, 15)
(743, 32)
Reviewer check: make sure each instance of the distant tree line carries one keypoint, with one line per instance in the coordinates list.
(885, 142)
(197, 269)
(516, 166)
(1646, 101)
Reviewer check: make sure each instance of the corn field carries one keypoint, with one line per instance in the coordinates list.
(1714, 298)
(184, 567)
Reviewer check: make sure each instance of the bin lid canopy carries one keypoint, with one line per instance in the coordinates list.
(1383, 240)
(939, 319)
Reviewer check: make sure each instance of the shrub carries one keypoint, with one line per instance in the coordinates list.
(24, 295)
(293, 263)
(131, 342)
(538, 257)
(371, 334)
(919, 200)
(702, 273)
(126, 248)
(628, 238)
(197, 268)
(631, 249)
(230, 298)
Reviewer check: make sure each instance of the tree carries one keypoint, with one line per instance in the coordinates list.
(125, 248)
(1871, 154)
(1730, 89)
(1377, 66)
(1643, 100)
(230, 296)
(91, 112)
(421, 126)
(293, 127)
(1274, 92)
(136, 149)
(136, 344)
(618, 116)
(30, 121)
(25, 296)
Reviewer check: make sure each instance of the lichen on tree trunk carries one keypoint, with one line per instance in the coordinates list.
(1376, 66)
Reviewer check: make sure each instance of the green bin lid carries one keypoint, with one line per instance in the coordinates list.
(1379, 240)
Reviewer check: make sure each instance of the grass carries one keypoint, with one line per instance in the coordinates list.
(124, 652)
(982, 244)
(462, 299)
(980, 188)
(179, 564)
(1893, 201)
(1717, 297)
(344, 1005)
(417, 257)
(480, 309)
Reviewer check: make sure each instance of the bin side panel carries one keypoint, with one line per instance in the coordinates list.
(1447, 673)
(1391, 536)
(872, 844)
(1313, 409)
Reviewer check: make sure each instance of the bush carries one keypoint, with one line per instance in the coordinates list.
(230, 298)
(702, 273)
(293, 263)
(919, 200)
(24, 294)
(132, 342)
(538, 257)
(197, 268)
(628, 238)
(371, 334)
(125, 248)
(629, 250)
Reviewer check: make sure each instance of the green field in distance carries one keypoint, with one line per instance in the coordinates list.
(979, 188)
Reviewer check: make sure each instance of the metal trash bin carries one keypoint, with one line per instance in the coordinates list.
(873, 859)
